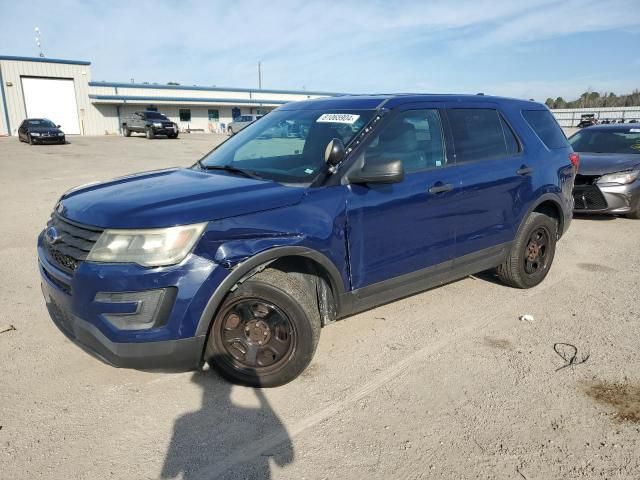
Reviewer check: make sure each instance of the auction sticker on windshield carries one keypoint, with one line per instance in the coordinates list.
(347, 118)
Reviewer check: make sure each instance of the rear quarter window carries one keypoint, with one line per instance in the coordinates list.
(546, 127)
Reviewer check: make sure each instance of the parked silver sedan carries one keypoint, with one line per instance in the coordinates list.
(608, 179)
(240, 122)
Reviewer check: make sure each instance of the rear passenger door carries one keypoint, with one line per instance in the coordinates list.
(495, 183)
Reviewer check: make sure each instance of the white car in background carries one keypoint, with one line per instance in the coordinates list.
(240, 122)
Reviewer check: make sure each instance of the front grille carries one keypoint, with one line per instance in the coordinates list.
(73, 244)
(588, 197)
(586, 179)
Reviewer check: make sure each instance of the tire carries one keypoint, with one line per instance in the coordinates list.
(173, 135)
(149, 134)
(531, 253)
(126, 132)
(230, 132)
(31, 141)
(278, 307)
(635, 214)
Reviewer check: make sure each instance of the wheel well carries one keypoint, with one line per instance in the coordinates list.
(318, 278)
(551, 209)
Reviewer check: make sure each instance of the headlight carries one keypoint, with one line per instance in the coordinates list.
(149, 248)
(157, 124)
(61, 134)
(34, 134)
(621, 178)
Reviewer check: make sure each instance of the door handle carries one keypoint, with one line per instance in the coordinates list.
(524, 170)
(441, 188)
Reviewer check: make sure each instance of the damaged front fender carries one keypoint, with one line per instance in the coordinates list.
(231, 253)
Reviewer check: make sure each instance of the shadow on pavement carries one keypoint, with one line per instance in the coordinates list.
(226, 440)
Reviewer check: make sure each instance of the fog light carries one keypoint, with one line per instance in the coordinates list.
(136, 310)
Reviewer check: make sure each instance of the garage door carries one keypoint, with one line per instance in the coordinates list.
(52, 98)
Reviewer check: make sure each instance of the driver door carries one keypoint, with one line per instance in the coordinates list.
(400, 232)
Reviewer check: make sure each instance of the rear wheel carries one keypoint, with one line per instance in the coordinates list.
(531, 253)
(267, 330)
(126, 132)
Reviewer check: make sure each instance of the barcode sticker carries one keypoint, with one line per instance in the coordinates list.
(347, 118)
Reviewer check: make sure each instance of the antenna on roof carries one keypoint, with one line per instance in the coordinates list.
(38, 42)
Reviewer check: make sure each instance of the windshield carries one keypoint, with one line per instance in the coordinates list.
(156, 116)
(42, 123)
(625, 140)
(288, 145)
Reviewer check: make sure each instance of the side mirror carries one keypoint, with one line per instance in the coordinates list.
(334, 153)
(381, 171)
(57, 126)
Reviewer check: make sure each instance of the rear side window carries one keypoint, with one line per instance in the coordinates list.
(546, 128)
(479, 134)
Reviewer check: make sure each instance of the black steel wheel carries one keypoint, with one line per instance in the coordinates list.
(531, 253)
(266, 331)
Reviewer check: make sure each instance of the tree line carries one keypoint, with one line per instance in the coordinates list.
(591, 99)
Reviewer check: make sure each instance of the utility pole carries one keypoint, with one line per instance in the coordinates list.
(259, 75)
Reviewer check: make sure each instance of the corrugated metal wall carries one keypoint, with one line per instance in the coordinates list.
(13, 70)
(570, 117)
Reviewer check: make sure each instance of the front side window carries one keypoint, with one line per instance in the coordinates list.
(288, 145)
(185, 115)
(477, 134)
(614, 140)
(414, 137)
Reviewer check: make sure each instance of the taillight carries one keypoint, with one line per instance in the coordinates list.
(574, 158)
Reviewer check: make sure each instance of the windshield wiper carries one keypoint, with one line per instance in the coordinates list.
(230, 169)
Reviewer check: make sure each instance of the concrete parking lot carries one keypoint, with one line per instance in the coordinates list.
(445, 384)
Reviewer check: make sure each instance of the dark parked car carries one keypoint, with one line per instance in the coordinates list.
(40, 130)
(239, 260)
(607, 181)
(150, 123)
(587, 120)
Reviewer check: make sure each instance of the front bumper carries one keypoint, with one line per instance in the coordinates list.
(168, 355)
(610, 199)
(51, 139)
(173, 345)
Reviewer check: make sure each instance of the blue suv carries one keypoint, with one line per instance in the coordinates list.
(318, 210)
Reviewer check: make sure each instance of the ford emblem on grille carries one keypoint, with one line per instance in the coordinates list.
(51, 235)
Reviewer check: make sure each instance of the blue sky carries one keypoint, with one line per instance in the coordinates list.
(522, 49)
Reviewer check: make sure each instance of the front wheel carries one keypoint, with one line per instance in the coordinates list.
(531, 253)
(31, 140)
(635, 215)
(149, 133)
(230, 131)
(266, 331)
(126, 132)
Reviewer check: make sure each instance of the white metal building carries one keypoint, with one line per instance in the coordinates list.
(62, 91)
(570, 117)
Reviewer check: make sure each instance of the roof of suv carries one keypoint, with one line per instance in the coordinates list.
(394, 99)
